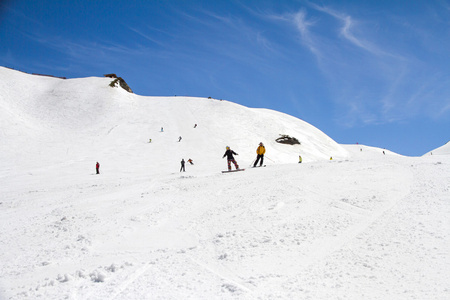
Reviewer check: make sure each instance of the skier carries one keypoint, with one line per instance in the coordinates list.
(260, 154)
(190, 161)
(150, 140)
(299, 159)
(182, 165)
(229, 154)
(162, 129)
(179, 139)
(195, 126)
(97, 168)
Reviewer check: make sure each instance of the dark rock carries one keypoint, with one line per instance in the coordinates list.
(285, 139)
(122, 84)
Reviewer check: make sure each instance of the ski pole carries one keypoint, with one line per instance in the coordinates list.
(269, 158)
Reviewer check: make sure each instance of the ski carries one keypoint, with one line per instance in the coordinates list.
(233, 171)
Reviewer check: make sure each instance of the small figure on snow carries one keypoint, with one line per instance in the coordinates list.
(162, 129)
(230, 159)
(195, 126)
(179, 139)
(300, 159)
(191, 161)
(97, 168)
(260, 154)
(150, 140)
(182, 165)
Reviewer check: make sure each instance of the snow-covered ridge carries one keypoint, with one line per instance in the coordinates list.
(87, 119)
(443, 150)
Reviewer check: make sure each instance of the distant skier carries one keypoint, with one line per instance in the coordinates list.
(179, 139)
(260, 154)
(300, 159)
(190, 161)
(97, 168)
(230, 159)
(162, 129)
(182, 165)
(195, 126)
(150, 140)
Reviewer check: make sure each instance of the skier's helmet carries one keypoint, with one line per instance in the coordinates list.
(228, 148)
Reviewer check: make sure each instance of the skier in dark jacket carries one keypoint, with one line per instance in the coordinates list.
(229, 154)
(182, 165)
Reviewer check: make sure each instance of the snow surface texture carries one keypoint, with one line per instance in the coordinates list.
(364, 225)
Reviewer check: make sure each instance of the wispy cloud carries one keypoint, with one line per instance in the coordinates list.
(445, 109)
(348, 26)
(378, 70)
(240, 29)
(303, 25)
(76, 54)
(373, 79)
(146, 36)
(69, 53)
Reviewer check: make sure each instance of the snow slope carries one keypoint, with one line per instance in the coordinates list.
(443, 150)
(85, 119)
(365, 225)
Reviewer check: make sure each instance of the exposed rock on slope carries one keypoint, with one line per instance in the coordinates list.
(120, 81)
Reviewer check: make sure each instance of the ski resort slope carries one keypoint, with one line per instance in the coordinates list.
(365, 225)
(51, 121)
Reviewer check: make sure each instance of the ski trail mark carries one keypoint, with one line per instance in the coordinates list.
(135, 275)
(226, 278)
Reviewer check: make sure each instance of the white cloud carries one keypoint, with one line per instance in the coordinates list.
(146, 36)
(347, 30)
(302, 24)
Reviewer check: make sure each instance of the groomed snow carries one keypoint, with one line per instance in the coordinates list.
(364, 225)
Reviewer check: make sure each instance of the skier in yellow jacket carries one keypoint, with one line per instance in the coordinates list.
(260, 152)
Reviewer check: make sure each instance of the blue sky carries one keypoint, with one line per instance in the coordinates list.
(372, 72)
